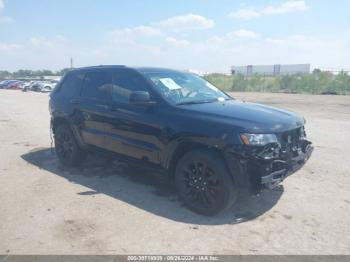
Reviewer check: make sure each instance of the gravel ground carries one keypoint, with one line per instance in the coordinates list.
(107, 208)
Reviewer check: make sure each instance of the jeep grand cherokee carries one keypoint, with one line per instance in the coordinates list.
(213, 146)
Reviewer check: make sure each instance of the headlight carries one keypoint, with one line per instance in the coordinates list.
(258, 139)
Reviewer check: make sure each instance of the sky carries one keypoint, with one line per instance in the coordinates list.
(205, 35)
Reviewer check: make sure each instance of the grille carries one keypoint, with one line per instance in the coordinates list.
(290, 140)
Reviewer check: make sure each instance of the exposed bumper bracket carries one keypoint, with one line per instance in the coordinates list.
(273, 179)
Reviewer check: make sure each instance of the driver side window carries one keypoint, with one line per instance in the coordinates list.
(124, 83)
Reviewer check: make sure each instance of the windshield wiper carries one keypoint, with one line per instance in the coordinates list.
(197, 102)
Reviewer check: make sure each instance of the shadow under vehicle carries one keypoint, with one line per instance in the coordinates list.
(146, 189)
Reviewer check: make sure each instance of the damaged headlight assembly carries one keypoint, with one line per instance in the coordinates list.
(302, 133)
(258, 139)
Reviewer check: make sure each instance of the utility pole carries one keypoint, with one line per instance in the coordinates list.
(71, 62)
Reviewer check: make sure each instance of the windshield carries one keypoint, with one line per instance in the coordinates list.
(185, 88)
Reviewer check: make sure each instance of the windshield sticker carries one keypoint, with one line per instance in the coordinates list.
(212, 87)
(169, 83)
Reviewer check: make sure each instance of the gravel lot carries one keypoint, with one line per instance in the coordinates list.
(107, 208)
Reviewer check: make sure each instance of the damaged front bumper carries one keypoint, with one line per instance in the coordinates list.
(265, 168)
(281, 168)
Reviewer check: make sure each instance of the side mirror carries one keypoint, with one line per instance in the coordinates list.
(140, 98)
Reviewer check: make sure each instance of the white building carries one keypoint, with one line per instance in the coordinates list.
(271, 70)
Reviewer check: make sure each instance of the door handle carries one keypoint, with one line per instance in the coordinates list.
(105, 107)
(74, 101)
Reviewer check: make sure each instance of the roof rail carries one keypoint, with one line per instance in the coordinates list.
(99, 66)
(112, 65)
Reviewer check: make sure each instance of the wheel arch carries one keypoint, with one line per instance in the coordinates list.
(56, 121)
(186, 146)
(233, 164)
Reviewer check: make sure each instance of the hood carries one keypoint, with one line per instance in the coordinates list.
(251, 117)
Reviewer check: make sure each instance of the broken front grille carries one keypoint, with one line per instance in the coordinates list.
(291, 140)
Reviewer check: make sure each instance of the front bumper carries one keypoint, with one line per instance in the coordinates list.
(256, 169)
(286, 168)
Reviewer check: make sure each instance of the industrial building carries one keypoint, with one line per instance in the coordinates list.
(271, 70)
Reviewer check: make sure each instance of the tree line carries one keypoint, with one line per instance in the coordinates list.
(24, 73)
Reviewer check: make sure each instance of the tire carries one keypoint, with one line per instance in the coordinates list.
(204, 183)
(67, 149)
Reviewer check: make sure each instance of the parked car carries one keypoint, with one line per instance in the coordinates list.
(3, 84)
(15, 85)
(213, 146)
(36, 87)
(39, 86)
(27, 86)
(46, 87)
(7, 83)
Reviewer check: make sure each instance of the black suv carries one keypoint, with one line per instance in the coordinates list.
(213, 146)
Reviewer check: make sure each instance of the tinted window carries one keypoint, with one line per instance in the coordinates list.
(71, 84)
(97, 85)
(125, 82)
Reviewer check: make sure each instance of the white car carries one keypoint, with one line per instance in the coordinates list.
(40, 86)
(48, 86)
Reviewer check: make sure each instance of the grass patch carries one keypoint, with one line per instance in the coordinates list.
(315, 83)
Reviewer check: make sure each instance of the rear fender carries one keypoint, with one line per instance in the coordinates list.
(72, 123)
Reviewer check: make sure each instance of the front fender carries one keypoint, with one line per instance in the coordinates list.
(176, 148)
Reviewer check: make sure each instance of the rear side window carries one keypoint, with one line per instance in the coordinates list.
(125, 82)
(71, 84)
(97, 86)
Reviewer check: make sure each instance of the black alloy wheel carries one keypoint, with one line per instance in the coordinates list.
(204, 183)
(67, 149)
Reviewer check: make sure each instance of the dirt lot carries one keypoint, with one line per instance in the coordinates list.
(107, 208)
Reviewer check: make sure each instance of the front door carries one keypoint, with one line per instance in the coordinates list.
(133, 131)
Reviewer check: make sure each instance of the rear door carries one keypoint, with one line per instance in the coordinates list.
(65, 95)
(94, 105)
